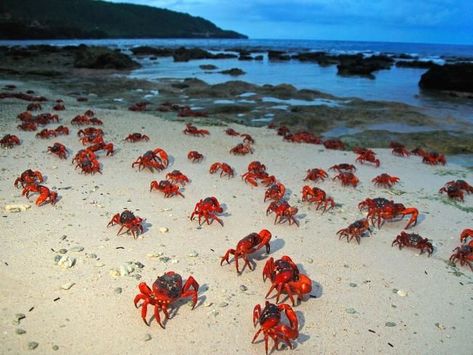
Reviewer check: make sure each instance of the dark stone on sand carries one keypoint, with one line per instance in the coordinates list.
(183, 54)
(233, 72)
(102, 58)
(415, 64)
(450, 77)
(208, 67)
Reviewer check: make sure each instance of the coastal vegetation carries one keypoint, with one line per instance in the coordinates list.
(58, 19)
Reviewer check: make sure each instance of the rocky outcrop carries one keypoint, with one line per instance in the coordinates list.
(415, 64)
(357, 65)
(449, 77)
(233, 72)
(102, 58)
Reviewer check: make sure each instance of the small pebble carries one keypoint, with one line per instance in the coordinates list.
(243, 288)
(62, 251)
(20, 331)
(164, 259)
(77, 249)
(350, 310)
(402, 293)
(55, 347)
(309, 260)
(390, 324)
(32, 345)
(164, 229)
(193, 254)
(440, 326)
(223, 304)
(208, 304)
(147, 337)
(19, 316)
(352, 284)
(118, 290)
(99, 264)
(67, 285)
(92, 256)
(57, 258)
(66, 262)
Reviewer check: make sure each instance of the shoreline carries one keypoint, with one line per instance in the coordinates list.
(357, 304)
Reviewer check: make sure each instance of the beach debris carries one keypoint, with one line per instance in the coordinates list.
(402, 293)
(15, 208)
(352, 284)
(67, 285)
(243, 288)
(440, 326)
(223, 304)
(19, 317)
(350, 310)
(66, 262)
(309, 260)
(147, 337)
(77, 249)
(163, 230)
(117, 290)
(32, 345)
(62, 251)
(193, 254)
(390, 324)
(155, 254)
(20, 331)
(55, 347)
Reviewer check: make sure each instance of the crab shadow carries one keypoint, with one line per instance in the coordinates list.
(174, 309)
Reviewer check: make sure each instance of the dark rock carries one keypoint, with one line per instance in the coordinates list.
(224, 56)
(281, 91)
(233, 72)
(245, 57)
(102, 58)
(320, 58)
(363, 66)
(154, 51)
(258, 57)
(278, 55)
(415, 64)
(208, 67)
(183, 54)
(453, 77)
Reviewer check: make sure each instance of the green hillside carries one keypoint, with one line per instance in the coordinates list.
(48, 19)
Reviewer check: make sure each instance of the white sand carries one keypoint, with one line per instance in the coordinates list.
(91, 318)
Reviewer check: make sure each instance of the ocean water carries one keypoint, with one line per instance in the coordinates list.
(396, 84)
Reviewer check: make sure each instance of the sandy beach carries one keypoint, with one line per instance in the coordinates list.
(368, 298)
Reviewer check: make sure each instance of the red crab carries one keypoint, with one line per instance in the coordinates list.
(127, 221)
(381, 209)
(207, 209)
(59, 149)
(46, 133)
(9, 141)
(355, 230)
(302, 137)
(343, 168)
(29, 177)
(59, 107)
(283, 211)
(456, 189)
(275, 192)
(139, 106)
(464, 254)
(282, 131)
(224, 167)
(186, 111)
(434, 158)
(247, 138)
(136, 137)
(166, 187)
(166, 290)
(285, 277)
(415, 241)
(399, 149)
(62, 130)
(385, 180)
(194, 131)
(347, 179)
(368, 156)
(334, 144)
(80, 120)
(90, 131)
(45, 195)
(28, 126)
(318, 196)
(177, 177)
(152, 159)
(195, 156)
(257, 171)
(316, 174)
(108, 147)
(248, 245)
(26, 116)
(272, 327)
(418, 151)
(46, 118)
(87, 162)
(231, 132)
(242, 149)
(92, 139)
(95, 121)
(467, 233)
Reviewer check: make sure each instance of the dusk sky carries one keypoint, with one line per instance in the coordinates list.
(428, 21)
